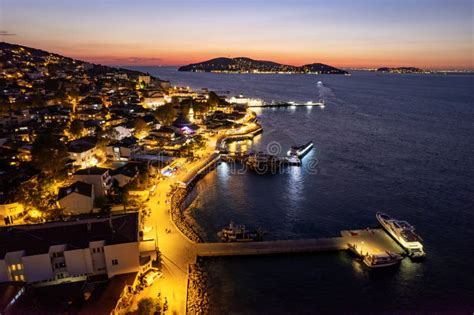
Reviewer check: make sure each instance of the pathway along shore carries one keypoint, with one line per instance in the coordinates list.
(175, 237)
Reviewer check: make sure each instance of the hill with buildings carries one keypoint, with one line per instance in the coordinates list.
(247, 65)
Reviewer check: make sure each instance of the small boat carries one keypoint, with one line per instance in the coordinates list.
(376, 260)
(320, 83)
(239, 233)
(382, 260)
(300, 151)
(263, 163)
(403, 233)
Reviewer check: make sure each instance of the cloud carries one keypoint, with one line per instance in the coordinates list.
(6, 33)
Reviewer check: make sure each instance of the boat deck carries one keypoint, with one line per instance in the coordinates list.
(371, 242)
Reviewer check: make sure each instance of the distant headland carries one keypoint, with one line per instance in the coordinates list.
(402, 70)
(247, 65)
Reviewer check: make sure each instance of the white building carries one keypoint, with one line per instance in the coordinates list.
(97, 176)
(83, 152)
(57, 252)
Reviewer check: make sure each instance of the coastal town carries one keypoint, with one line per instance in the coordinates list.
(95, 167)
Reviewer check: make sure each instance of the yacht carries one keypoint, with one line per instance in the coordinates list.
(403, 233)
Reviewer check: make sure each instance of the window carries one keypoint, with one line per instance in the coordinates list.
(114, 262)
(93, 250)
(13, 267)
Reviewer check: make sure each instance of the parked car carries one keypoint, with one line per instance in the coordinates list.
(150, 276)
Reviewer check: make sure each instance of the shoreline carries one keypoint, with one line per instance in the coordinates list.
(178, 195)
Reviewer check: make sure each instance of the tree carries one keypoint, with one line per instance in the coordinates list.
(140, 126)
(148, 306)
(101, 202)
(213, 100)
(76, 128)
(185, 106)
(49, 155)
(166, 114)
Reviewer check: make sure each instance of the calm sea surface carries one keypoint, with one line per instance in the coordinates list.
(403, 144)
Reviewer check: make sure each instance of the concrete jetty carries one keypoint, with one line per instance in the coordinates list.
(270, 247)
(370, 241)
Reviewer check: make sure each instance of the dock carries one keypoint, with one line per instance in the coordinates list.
(270, 247)
(369, 241)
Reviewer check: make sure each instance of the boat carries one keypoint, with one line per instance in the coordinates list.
(382, 259)
(403, 233)
(239, 233)
(263, 163)
(319, 83)
(376, 260)
(300, 151)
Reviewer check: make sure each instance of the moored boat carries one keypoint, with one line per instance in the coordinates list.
(403, 233)
(239, 233)
(382, 260)
(300, 151)
(376, 260)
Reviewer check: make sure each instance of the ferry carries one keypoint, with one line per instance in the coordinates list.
(300, 151)
(403, 233)
(239, 233)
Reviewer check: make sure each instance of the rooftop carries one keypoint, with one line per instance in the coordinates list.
(77, 187)
(36, 239)
(92, 171)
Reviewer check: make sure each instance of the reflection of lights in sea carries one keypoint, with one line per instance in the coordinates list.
(224, 173)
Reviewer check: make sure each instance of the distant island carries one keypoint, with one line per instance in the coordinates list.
(247, 65)
(402, 70)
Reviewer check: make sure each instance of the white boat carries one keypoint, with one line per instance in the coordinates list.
(319, 83)
(382, 260)
(403, 233)
(377, 259)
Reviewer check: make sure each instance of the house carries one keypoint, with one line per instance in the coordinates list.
(125, 174)
(122, 150)
(89, 114)
(10, 211)
(184, 126)
(77, 198)
(164, 132)
(57, 252)
(97, 176)
(146, 79)
(122, 132)
(83, 151)
(154, 99)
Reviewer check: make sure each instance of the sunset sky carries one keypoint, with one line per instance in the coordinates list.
(435, 34)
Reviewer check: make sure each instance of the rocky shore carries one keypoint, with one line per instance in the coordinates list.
(178, 195)
(198, 299)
